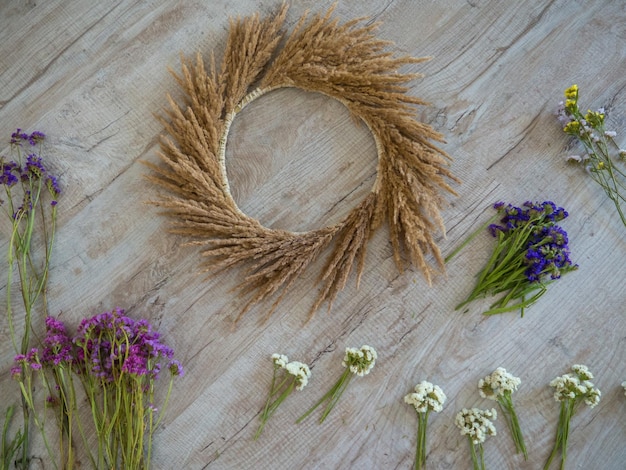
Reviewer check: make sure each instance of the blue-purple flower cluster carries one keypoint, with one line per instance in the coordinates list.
(30, 171)
(106, 346)
(19, 137)
(546, 246)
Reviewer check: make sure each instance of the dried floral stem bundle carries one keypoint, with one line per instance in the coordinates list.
(603, 158)
(345, 62)
(571, 390)
(499, 386)
(427, 397)
(530, 247)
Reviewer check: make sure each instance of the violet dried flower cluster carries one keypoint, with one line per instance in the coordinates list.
(117, 360)
(27, 169)
(29, 202)
(531, 251)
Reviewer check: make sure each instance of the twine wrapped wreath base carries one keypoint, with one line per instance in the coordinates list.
(345, 62)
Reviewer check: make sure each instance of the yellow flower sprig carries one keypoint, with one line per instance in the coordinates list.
(589, 129)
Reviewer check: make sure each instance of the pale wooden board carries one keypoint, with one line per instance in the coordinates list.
(92, 74)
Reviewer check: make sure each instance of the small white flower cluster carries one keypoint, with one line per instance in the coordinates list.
(624, 386)
(476, 423)
(426, 397)
(577, 158)
(280, 360)
(576, 386)
(497, 384)
(299, 370)
(360, 361)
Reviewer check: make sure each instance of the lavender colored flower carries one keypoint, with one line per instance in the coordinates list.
(58, 346)
(36, 137)
(176, 368)
(16, 372)
(18, 136)
(52, 183)
(32, 356)
(112, 343)
(34, 168)
(33, 139)
(546, 247)
(531, 251)
(10, 173)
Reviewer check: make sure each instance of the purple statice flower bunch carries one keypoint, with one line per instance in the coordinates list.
(29, 169)
(547, 251)
(19, 137)
(111, 344)
(531, 251)
(26, 180)
(117, 360)
(58, 346)
(602, 157)
(29, 203)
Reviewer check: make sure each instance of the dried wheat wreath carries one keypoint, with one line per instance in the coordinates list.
(345, 62)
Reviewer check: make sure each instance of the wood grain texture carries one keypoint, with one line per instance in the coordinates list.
(92, 74)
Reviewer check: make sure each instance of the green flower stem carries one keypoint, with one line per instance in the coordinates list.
(151, 425)
(562, 433)
(470, 238)
(332, 397)
(506, 405)
(27, 396)
(478, 459)
(32, 282)
(8, 448)
(420, 450)
(271, 407)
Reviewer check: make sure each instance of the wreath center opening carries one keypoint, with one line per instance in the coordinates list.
(298, 161)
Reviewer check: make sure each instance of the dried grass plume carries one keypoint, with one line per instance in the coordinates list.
(345, 62)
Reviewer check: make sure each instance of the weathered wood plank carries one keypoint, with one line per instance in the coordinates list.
(92, 75)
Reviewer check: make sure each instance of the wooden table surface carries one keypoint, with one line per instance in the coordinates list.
(91, 75)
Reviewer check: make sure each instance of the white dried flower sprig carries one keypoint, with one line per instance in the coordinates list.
(499, 386)
(570, 390)
(360, 361)
(624, 387)
(286, 377)
(476, 424)
(576, 386)
(357, 362)
(300, 372)
(426, 398)
(280, 360)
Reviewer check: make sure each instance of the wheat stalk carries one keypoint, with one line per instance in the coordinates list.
(345, 62)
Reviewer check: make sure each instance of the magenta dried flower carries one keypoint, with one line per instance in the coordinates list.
(58, 346)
